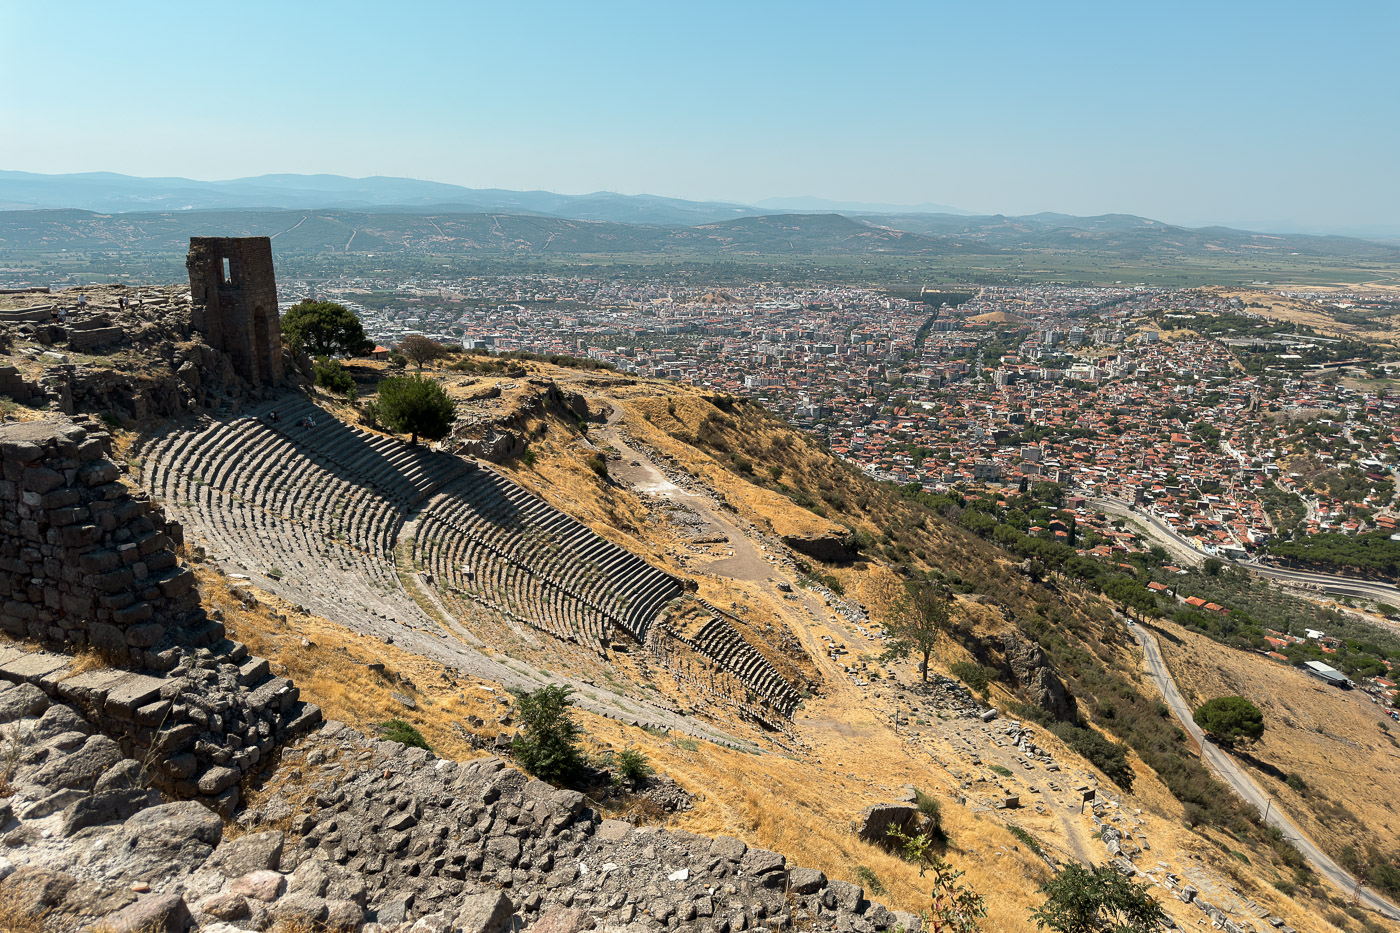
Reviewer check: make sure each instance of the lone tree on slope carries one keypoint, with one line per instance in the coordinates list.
(1228, 720)
(1080, 900)
(918, 616)
(419, 349)
(324, 328)
(414, 405)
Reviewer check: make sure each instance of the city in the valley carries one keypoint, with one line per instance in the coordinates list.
(1233, 427)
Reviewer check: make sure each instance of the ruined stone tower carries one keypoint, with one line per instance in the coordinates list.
(235, 303)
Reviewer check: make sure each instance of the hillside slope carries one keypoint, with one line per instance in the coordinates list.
(729, 497)
(713, 585)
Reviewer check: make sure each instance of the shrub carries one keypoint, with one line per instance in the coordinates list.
(332, 374)
(632, 766)
(1109, 757)
(547, 744)
(1386, 877)
(929, 807)
(976, 676)
(869, 880)
(956, 907)
(396, 730)
(913, 848)
(1026, 839)
(1080, 900)
(599, 465)
(1000, 769)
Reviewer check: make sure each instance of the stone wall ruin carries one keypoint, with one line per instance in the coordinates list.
(84, 562)
(87, 564)
(234, 295)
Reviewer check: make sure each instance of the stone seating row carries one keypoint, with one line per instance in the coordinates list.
(514, 525)
(721, 643)
(320, 510)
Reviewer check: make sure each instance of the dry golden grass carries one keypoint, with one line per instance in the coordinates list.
(297, 925)
(86, 661)
(16, 913)
(333, 671)
(800, 804)
(802, 807)
(1308, 314)
(650, 418)
(1339, 743)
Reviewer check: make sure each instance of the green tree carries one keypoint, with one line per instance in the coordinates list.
(1079, 900)
(324, 328)
(917, 617)
(1230, 719)
(414, 405)
(547, 743)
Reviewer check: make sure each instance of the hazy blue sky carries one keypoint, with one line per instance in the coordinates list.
(1276, 113)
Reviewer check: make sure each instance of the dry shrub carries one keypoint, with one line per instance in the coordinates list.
(86, 661)
(297, 925)
(16, 911)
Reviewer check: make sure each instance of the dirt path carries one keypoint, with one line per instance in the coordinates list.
(638, 471)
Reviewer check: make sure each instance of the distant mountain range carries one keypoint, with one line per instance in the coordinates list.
(810, 205)
(330, 213)
(107, 193)
(446, 231)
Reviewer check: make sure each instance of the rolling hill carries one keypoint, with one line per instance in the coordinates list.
(492, 235)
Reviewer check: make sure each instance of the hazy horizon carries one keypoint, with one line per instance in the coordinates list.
(1257, 116)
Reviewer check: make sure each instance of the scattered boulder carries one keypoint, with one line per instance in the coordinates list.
(805, 881)
(262, 885)
(875, 821)
(164, 841)
(248, 854)
(485, 913)
(154, 913)
(827, 548)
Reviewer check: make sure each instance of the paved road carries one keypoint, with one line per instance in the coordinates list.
(1180, 549)
(1341, 586)
(1242, 784)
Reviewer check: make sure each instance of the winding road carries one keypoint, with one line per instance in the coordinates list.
(1181, 550)
(1178, 547)
(1233, 775)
